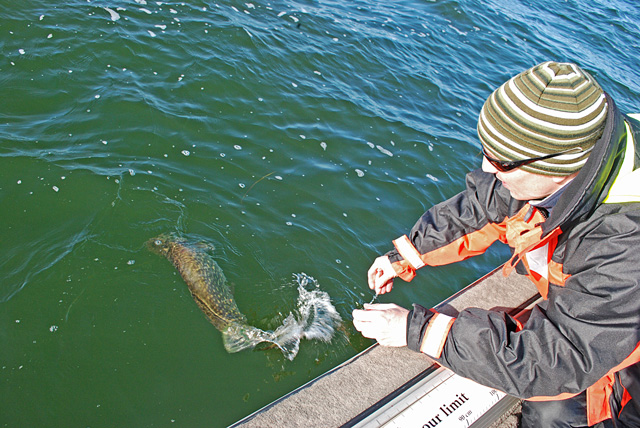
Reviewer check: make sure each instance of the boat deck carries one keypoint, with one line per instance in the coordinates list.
(396, 387)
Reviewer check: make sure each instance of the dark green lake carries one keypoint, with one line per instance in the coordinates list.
(294, 136)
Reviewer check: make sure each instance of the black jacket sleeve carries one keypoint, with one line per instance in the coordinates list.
(570, 341)
(483, 201)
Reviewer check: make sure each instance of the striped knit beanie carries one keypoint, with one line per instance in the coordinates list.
(550, 108)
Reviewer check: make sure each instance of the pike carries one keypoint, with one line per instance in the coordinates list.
(209, 289)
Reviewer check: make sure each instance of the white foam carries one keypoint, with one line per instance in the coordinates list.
(314, 319)
(384, 151)
(114, 15)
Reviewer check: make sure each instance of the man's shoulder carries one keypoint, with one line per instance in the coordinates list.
(609, 220)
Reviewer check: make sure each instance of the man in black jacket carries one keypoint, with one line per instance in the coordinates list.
(560, 185)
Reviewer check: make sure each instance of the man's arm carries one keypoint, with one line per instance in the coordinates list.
(461, 227)
(569, 342)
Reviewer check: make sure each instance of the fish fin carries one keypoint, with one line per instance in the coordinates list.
(238, 337)
(205, 246)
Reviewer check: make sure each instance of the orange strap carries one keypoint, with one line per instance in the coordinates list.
(598, 394)
(598, 408)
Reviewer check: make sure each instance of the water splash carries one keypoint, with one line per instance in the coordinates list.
(314, 318)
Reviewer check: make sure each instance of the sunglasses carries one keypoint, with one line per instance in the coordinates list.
(504, 166)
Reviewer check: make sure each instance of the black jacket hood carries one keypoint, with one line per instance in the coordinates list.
(590, 187)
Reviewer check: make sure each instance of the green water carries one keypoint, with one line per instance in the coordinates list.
(294, 136)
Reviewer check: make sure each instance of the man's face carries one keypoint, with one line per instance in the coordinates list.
(524, 185)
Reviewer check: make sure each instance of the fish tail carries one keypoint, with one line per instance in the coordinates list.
(238, 337)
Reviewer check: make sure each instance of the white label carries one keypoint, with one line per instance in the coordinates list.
(456, 402)
(537, 260)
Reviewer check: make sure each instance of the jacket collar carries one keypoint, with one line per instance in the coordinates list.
(590, 187)
(549, 202)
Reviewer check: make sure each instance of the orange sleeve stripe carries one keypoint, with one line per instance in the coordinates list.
(436, 334)
(462, 248)
(469, 245)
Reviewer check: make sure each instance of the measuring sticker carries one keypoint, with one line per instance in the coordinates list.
(456, 402)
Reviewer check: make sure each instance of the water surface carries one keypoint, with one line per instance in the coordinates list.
(294, 136)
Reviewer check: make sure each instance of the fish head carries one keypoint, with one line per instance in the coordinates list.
(161, 244)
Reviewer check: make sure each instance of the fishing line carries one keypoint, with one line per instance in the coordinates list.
(374, 298)
(256, 182)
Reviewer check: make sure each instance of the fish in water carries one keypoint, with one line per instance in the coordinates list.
(210, 290)
(203, 276)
